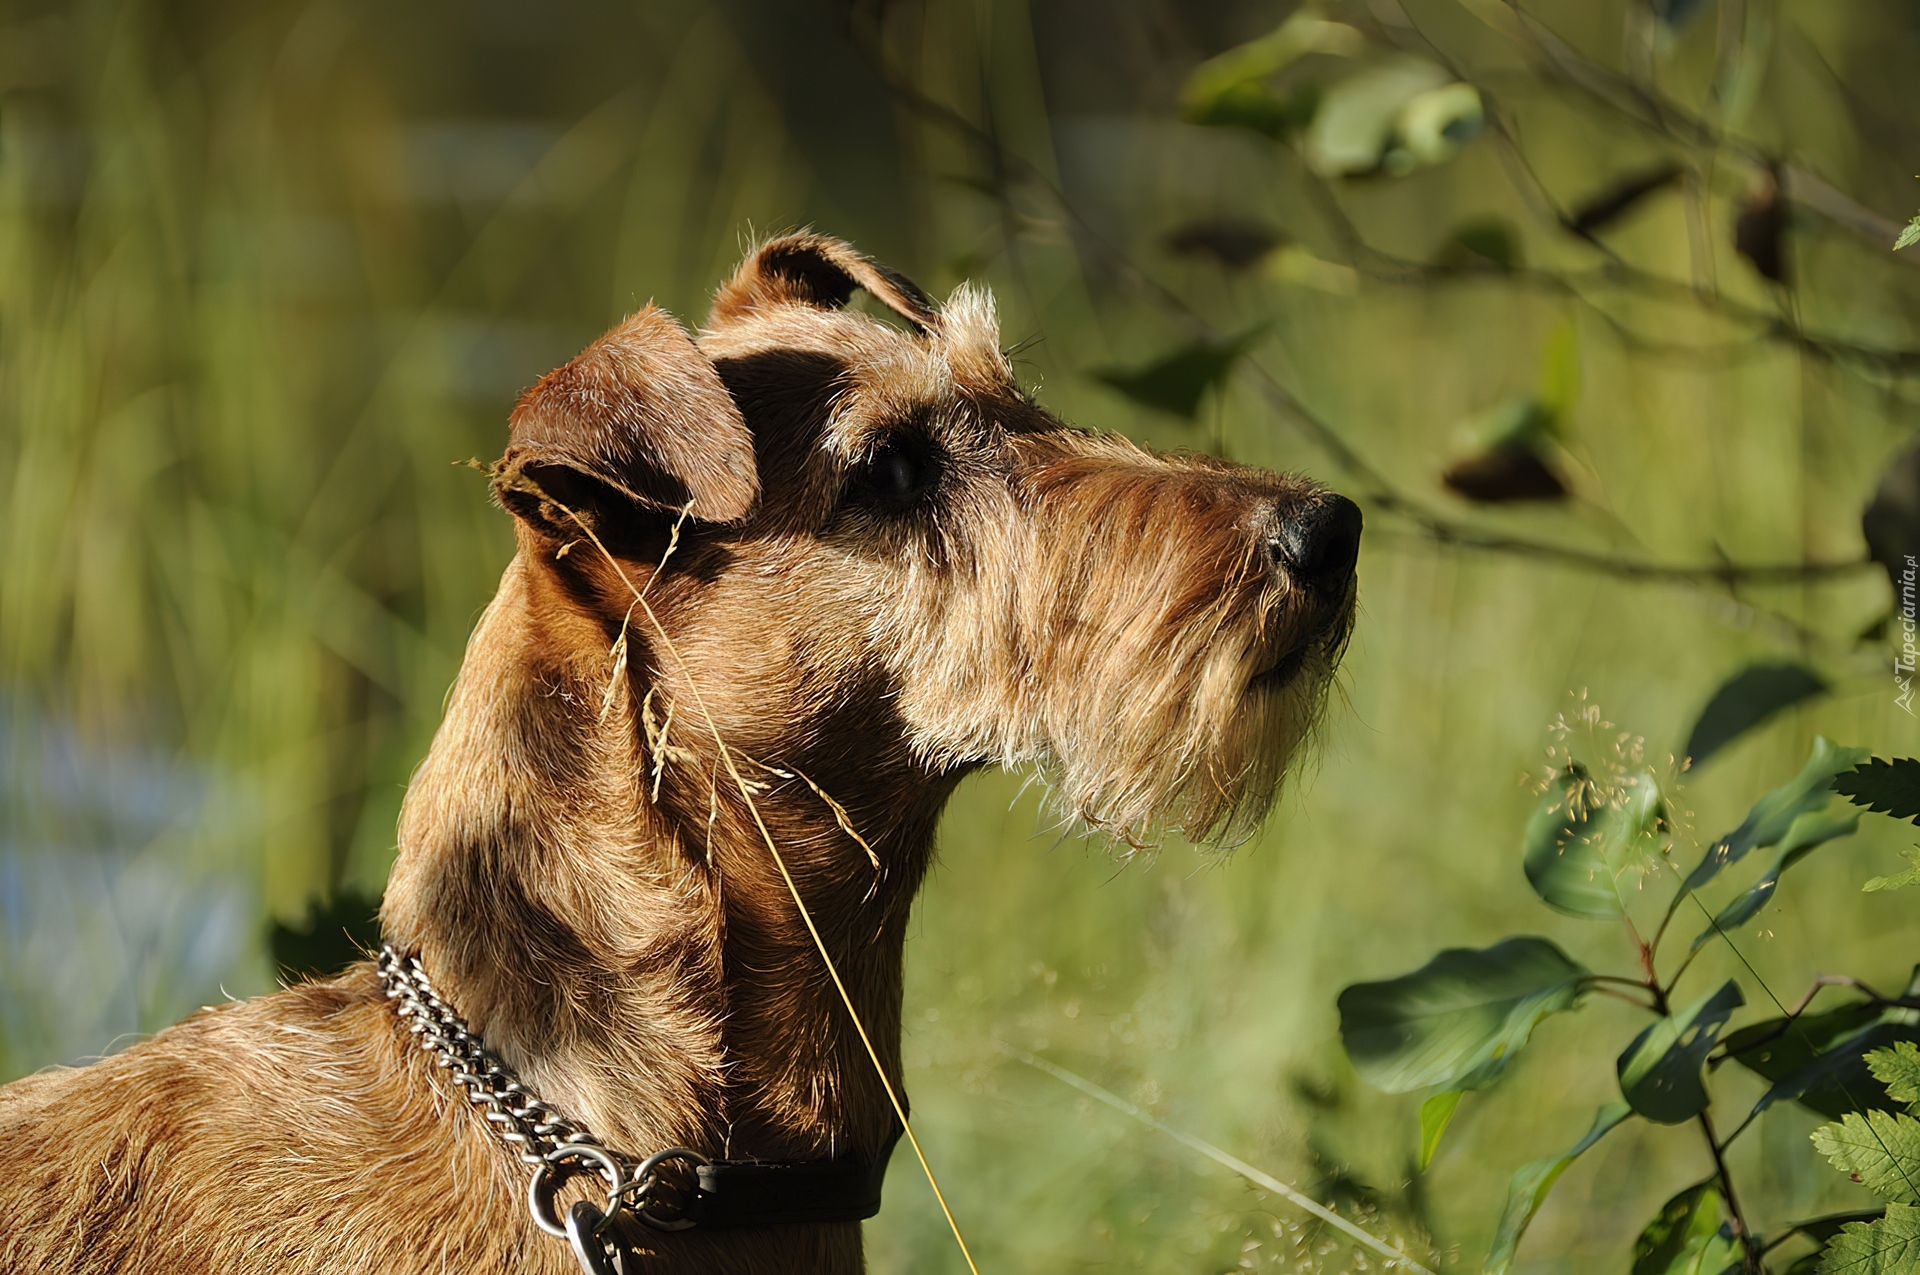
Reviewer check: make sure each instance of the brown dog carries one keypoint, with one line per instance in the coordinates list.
(849, 560)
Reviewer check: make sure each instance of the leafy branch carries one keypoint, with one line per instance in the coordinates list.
(1178, 381)
(1880, 1150)
(1455, 1025)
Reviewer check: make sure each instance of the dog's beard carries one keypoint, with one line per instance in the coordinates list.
(1169, 687)
(1145, 728)
(1199, 741)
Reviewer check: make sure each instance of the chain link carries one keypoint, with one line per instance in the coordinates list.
(529, 1127)
(553, 1145)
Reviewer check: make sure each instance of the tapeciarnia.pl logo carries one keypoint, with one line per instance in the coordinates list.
(1903, 659)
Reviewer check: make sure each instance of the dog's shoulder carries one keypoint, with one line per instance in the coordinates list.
(132, 1162)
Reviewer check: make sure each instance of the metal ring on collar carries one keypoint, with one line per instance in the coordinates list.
(643, 1179)
(547, 1178)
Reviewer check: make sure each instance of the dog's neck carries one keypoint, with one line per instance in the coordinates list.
(621, 934)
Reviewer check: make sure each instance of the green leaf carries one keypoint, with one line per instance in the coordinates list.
(1898, 1069)
(1481, 243)
(1890, 1246)
(1459, 1019)
(1886, 787)
(1259, 109)
(1747, 699)
(1909, 234)
(1808, 832)
(1822, 1229)
(1178, 382)
(1635, 816)
(1518, 422)
(1434, 125)
(1811, 831)
(1660, 1070)
(1528, 1189)
(1687, 1236)
(1879, 1149)
(1435, 1114)
(1773, 814)
(1692, 1214)
(1819, 1060)
(1721, 1252)
(1807, 1263)
(1579, 839)
(1838, 1081)
(1222, 88)
(1358, 116)
(1910, 877)
(1562, 855)
(1778, 1047)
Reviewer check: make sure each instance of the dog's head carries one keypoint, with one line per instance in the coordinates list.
(881, 557)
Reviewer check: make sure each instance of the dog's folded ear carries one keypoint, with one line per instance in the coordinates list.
(819, 271)
(639, 417)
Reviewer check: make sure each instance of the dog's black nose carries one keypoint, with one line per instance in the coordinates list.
(1319, 541)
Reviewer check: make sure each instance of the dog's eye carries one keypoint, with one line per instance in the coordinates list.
(896, 474)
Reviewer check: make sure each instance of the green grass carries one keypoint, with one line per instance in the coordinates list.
(269, 271)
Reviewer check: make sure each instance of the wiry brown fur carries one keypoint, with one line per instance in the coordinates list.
(577, 871)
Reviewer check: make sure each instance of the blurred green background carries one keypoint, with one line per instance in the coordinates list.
(270, 270)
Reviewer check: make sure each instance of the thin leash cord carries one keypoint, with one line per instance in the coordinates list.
(726, 755)
(1222, 1158)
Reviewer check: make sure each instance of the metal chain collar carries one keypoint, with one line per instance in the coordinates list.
(556, 1148)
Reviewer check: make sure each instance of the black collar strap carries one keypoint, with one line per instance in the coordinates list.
(730, 1193)
(779, 1192)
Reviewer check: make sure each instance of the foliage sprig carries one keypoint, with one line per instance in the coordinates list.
(1601, 829)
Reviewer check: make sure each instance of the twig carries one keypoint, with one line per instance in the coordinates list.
(1619, 995)
(1564, 64)
(1792, 1016)
(1862, 1215)
(1614, 272)
(1750, 1247)
(1378, 490)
